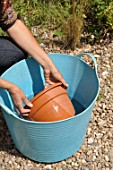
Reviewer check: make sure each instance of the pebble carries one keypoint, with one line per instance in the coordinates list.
(48, 167)
(106, 158)
(84, 168)
(90, 141)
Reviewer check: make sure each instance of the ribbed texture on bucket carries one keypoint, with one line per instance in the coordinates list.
(51, 142)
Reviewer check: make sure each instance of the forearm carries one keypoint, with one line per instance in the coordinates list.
(6, 84)
(24, 38)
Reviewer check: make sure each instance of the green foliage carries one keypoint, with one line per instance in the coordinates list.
(26, 11)
(109, 15)
(41, 12)
(99, 16)
(99, 96)
(2, 33)
(61, 16)
(67, 18)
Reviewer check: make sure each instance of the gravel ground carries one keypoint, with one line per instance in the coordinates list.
(96, 153)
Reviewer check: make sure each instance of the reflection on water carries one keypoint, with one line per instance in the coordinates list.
(78, 106)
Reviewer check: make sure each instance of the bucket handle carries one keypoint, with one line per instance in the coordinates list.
(92, 57)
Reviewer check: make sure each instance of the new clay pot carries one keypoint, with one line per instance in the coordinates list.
(51, 104)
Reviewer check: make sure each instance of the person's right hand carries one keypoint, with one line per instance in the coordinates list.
(52, 75)
(18, 97)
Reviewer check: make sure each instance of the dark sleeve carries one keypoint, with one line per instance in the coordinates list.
(7, 14)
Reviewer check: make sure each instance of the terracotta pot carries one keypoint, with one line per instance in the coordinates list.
(51, 104)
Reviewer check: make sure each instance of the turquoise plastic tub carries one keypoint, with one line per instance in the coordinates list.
(51, 141)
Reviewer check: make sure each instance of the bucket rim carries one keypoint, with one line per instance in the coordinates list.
(59, 121)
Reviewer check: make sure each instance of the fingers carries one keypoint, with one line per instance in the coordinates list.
(21, 110)
(19, 107)
(54, 79)
(18, 97)
(52, 76)
(46, 85)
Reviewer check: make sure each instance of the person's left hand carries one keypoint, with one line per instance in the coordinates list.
(18, 97)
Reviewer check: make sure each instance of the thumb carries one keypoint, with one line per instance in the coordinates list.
(64, 83)
(27, 102)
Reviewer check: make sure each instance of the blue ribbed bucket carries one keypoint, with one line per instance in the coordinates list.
(51, 141)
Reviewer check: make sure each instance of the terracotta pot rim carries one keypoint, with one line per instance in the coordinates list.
(45, 90)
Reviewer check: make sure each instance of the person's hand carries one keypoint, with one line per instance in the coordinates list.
(52, 76)
(18, 97)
